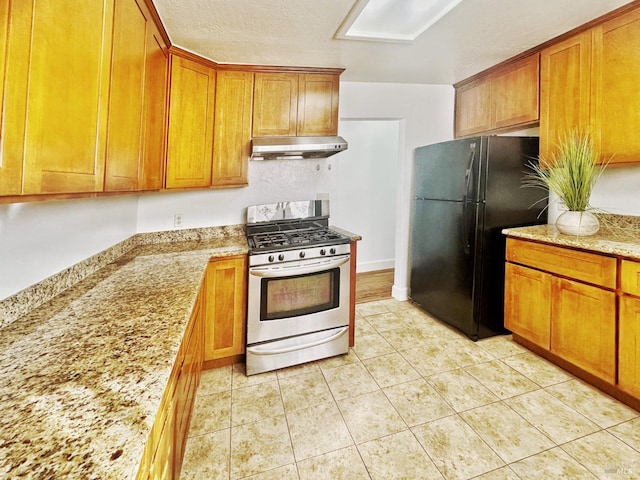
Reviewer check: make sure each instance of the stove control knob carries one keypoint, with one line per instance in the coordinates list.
(323, 251)
(332, 251)
(281, 257)
(271, 258)
(302, 254)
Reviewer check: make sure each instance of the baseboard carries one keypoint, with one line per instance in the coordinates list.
(400, 294)
(376, 265)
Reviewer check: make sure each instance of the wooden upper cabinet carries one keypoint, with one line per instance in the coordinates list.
(232, 129)
(503, 99)
(473, 108)
(616, 76)
(290, 104)
(515, 93)
(191, 117)
(275, 104)
(68, 93)
(318, 105)
(565, 90)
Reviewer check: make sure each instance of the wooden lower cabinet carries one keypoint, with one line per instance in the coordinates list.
(162, 456)
(225, 315)
(629, 346)
(527, 305)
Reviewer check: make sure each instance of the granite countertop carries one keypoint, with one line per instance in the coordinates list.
(83, 374)
(618, 235)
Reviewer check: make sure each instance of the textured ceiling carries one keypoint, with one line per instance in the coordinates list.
(473, 36)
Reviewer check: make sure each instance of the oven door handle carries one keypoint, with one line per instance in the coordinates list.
(313, 267)
(265, 350)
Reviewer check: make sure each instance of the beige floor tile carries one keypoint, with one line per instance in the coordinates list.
(501, 346)
(429, 359)
(457, 451)
(552, 417)
(628, 432)
(551, 465)
(260, 446)
(256, 402)
(304, 390)
(371, 308)
(297, 370)
(240, 379)
(417, 402)
(404, 338)
(593, 404)
(199, 462)
(288, 472)
(504, 473)
(342, 464)
(398, 457)
(372, 345)
(501, 379)
(605, 456)
(467, 353)
(537, 369)
(350, 380)
(211, 413)
(338, 361)
(317, 430)
(384, 322)
(390, 369)
(370, 416)
(506, 432)
(461, 390)
(363, 327)
(215, 380)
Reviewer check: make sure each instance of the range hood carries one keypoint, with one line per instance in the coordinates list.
(291, 148)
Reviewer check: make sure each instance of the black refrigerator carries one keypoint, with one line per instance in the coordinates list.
(464, 193)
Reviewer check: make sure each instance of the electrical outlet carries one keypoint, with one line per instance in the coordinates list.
(178, 220)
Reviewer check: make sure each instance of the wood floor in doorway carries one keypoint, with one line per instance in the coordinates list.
(375, 285)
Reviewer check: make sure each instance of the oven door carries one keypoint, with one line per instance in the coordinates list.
(296, 298)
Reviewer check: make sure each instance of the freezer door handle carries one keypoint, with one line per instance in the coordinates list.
(465, 219)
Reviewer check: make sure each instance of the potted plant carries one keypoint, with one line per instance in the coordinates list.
(571, 173)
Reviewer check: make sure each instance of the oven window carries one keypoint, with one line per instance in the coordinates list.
(300, 295)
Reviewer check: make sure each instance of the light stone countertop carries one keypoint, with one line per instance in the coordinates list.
(618, 235)
(83, 374)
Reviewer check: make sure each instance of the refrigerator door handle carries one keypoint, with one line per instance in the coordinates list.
(465, 220)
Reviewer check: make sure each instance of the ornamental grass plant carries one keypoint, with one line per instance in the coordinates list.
(570, 172)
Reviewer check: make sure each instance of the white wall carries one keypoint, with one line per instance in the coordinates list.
(40, 239)
(426, 112)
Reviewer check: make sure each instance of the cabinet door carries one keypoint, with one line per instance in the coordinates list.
(565, 90)
(318, 104)
(275, 110)
(583, 327)
(527, 304)
(616, 76)
(125, 132)
(191, 114)
(15, 29)
(473, 108)
(514, 93)
(155, 107)
(232, 131)
(68, 93)
(225, 308)
(629, 345)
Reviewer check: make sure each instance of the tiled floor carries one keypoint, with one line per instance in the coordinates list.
(413, 400)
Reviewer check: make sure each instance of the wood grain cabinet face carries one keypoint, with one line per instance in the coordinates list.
(191, 117)
(290, 104)
(502, 99)
(138, 81)
(629, 345)
(232, 130)
(225, 308)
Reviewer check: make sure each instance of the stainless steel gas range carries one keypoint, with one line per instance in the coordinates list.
(299, 273)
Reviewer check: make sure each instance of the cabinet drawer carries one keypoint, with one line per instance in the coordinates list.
(587, 267)
(630, 277)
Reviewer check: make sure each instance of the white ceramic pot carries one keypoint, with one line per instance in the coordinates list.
(577, 223)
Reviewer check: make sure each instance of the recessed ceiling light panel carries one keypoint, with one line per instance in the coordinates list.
(392, 20)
